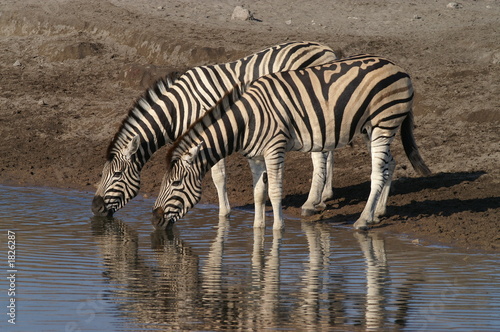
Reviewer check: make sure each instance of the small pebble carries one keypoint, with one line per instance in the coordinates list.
(454, 5)
(241, 14)
(17, 63)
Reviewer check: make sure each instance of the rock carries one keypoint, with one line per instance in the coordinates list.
(288, 22)
(454, 5)
(495, 58)
(17, 63)
(241, 14)
(42, 102)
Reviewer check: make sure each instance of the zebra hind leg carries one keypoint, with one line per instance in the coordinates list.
(380, 210)
(314, 200)
(382, 202)
(382, 168)
(219, 179)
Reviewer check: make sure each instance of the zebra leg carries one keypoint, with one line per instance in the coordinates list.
(319, 160)
(258, 167)
(381, 161)
(382, 202)
(219, 179)
(328, 189)
(275, 167)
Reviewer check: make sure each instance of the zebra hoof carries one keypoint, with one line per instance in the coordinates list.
(224, 215)
(320, 206)
(308, 212)
(361, 225)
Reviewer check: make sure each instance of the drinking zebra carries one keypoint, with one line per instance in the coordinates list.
(169, 107)
(314, 109)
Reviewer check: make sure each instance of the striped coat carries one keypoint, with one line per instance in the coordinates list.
(170, 107)
(312, 110)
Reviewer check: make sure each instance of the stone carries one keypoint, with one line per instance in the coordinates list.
(241, 14)
(454, 5)
(495, 58)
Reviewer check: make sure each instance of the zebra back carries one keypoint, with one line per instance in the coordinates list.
(315, 109)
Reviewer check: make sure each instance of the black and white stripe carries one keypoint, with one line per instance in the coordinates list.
(171, 106)
(313, 110)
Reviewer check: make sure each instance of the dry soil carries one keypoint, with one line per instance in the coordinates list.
(71, 70)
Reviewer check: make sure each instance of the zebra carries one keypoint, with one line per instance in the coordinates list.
(172, 104)
(315, 109)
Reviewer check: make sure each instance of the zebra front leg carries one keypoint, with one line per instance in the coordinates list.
(328, 189)
(219, 179)
(275, 167)
(381, 166)
(258, 167)
(319, 160)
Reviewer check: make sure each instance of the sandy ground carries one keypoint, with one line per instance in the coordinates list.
(70, 71)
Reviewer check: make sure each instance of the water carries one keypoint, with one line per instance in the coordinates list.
(78, 273)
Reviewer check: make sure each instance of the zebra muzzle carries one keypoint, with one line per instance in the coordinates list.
(158, 217)
(161, 220)
(99, 207)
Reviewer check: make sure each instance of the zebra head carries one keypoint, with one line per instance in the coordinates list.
(180, 189)
(119, 182)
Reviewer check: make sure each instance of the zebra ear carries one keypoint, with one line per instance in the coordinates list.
(132, 146)
(189, 156)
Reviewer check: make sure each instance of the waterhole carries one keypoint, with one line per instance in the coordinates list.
(73, 272)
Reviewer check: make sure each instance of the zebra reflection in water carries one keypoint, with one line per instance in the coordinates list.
(148, 294)
(177, 288)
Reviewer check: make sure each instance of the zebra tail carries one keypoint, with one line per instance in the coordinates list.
(411, 148)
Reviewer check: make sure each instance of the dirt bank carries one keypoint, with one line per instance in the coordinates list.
(70, 70)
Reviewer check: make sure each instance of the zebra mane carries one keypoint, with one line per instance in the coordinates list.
(180, 145)
(158, 88)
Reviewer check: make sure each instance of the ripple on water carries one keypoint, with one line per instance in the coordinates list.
(95, 274)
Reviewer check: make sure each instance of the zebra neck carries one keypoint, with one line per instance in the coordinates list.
(150, 120)
(221, 138)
